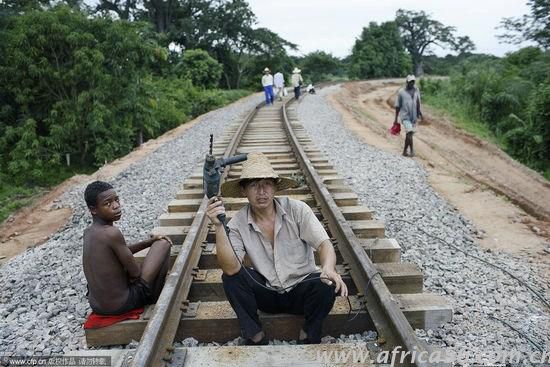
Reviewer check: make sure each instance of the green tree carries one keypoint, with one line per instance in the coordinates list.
(75, 86)
(420, 32)
(318, 66)
(379, 52)
(534, 26)
(199, 67)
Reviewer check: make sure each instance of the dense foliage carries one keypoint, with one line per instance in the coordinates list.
(402, 46)
(89, 89)
(379, 52)
(510, 96)
(321, 66)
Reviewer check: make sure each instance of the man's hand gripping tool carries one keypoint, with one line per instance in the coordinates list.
(213, 171)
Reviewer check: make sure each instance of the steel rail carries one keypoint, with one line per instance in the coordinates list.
(156, 344)
(381, 306)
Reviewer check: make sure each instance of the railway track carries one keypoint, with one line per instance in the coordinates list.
(386, 294)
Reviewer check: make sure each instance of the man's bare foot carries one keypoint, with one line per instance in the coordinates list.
(405, 154)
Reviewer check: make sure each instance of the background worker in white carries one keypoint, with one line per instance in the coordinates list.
(279, 82)
(267, 84)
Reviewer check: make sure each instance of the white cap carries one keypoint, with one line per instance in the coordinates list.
(410, 78)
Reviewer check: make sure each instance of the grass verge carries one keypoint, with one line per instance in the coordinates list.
(462, 118)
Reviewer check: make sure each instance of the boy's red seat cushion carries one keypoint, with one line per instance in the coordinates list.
(95, 321)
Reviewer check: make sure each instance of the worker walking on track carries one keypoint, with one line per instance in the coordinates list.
(297, 82)
(407, 109)
(267, 84)
(279, 82)
(278, 236)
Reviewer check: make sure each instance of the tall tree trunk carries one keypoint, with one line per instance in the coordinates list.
(227, 82)
(418, 67)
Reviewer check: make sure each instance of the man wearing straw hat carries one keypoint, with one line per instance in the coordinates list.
(267, 84)
(296, 81)
(278, 236)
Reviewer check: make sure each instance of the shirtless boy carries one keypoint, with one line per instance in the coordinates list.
(116, 282)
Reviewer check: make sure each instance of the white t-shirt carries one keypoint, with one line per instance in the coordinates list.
(267, 80)
(279, 80)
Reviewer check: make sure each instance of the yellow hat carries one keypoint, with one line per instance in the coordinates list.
(257, 166)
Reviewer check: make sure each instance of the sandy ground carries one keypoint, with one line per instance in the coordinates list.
(33, 225)
(507, 201)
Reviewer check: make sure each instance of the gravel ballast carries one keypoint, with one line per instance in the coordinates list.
(42, 291)
(397, 187)
(42, 302)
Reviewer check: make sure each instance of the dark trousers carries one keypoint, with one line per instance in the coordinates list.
(313, 299)
(297, 92)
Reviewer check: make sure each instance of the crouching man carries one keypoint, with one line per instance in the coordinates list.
(116, 282)
(278, 235)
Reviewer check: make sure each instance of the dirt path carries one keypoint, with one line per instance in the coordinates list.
(33, 225)
(508, 201)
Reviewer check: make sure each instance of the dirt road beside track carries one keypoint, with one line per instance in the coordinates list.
(509, 202)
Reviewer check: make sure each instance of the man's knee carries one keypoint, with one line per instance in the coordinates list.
(242, 278)
(324, 293)
(232, 278)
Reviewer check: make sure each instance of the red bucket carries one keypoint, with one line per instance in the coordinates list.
(395, 128)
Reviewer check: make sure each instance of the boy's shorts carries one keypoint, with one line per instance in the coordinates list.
(139, 295)
(409, 126)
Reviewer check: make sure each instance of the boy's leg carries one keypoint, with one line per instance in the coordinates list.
(155, 266)
(411, 143)
(313, 299)
(246, 297)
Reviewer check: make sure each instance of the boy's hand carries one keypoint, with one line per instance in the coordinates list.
(214, 208)
(158, 237)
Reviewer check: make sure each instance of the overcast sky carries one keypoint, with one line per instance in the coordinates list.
(333, 25)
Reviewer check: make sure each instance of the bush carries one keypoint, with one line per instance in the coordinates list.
(74, 86)
(197, 66)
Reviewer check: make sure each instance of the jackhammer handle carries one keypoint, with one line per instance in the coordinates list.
(234, 159)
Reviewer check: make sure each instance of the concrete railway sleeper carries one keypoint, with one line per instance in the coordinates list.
(386, 294)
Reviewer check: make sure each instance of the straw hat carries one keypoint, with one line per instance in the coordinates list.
(256, 166)
(296, 71)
